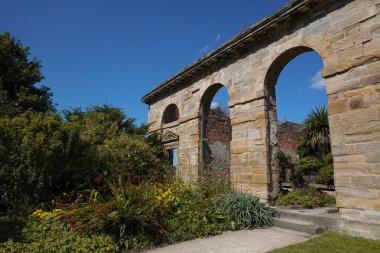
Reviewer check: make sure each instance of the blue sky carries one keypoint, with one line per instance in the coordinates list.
(98, 51)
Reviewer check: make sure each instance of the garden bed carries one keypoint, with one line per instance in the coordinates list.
(138, 215)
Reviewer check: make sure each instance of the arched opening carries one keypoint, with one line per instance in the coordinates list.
(171, 114)
(298, 129)
(170, 138)
(215, 132)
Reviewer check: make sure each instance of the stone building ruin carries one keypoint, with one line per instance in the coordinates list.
(346, 35)
(218, 134)
(287, 134)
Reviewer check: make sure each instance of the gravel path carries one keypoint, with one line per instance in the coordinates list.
(258, 240)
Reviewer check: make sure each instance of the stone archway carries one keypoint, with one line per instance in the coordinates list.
(346, 35)
(214, 151)
(270, 83)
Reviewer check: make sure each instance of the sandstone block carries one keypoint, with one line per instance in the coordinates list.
(348, 192)
(339, 150)
(343, 181)
(357, 203)
(260, 179)
(337, 106)
(358, 17)
(244, 178)
(359, 137)
(366, 181)
(353, 169)
(373, 157)
(239, 149)
(347, 54)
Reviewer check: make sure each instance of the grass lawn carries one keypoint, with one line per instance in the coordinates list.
(333, 242)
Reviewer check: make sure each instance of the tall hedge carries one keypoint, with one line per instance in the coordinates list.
(42, 155)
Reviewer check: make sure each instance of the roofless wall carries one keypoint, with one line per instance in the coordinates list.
(346, 35)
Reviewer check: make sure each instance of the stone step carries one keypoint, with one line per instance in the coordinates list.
(292, 232)
(298, 225)
(322, 217)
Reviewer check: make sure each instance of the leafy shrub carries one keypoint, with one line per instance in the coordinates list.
(33, 149)
(245, 211)
(137, 214)
(194, 215)
(132, 156)
(130, 211)
(45, 235)
(296, 177)
(114, 145)
(42, 156)
(326, 174)
(286, 165)
(309, 165)
(212, 183)
(309, 198)
(11, 227)
(140, 213)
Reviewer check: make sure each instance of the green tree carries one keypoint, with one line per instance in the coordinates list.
(18, 77)
(42, 155)
(33, 157)
(314, 148)
(114, 144)
(107, 116)
(316, 132)
(286, 165)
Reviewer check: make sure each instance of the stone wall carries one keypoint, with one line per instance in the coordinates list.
(287, 135)
(346, 34)
(218, 134)
(218, 127)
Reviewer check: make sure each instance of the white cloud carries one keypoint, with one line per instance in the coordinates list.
(317, 81)
(205, 49)
(217, 37)
(215, 104)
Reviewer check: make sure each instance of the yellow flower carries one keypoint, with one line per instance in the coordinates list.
(158, 197)
(40, 214)
(57, 210)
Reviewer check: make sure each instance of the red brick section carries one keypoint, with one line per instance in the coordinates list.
(218, 127)
(287, 135)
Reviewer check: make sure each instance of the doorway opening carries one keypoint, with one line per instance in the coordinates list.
(215, 124)
(299, 139)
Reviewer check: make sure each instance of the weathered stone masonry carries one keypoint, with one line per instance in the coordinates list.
(346, 34)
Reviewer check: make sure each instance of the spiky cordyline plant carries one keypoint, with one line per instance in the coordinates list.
(316, 132)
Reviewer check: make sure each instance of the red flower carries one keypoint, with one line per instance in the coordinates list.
(136, 178)
(97, 180)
